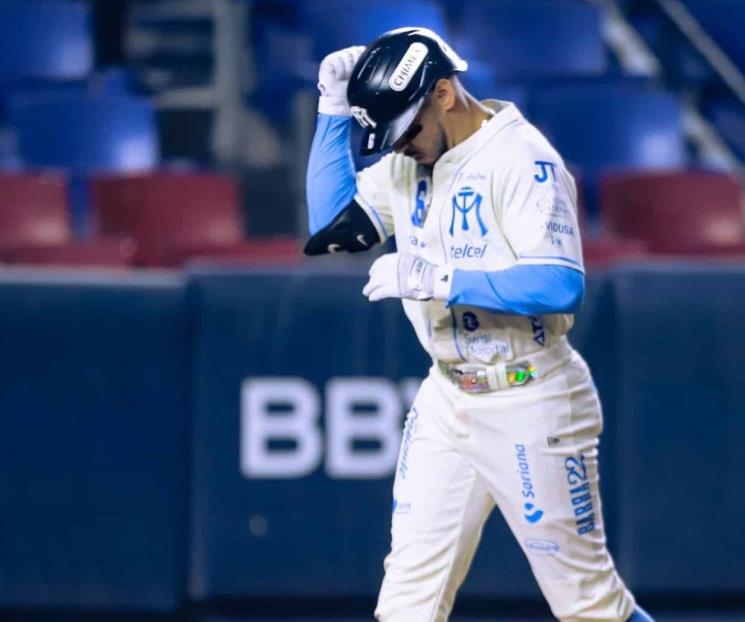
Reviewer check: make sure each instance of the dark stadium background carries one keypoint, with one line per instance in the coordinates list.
(153, 289)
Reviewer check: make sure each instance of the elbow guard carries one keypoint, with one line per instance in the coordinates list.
(351, 230)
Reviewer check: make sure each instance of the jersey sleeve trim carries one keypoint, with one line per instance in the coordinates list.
(549, 260)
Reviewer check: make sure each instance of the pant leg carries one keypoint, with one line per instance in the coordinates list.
(439, 509)
(546, 486)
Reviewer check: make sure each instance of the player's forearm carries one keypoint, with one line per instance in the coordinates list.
(520, 290)
(330, 181)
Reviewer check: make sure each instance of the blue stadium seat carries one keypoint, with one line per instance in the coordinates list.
(84, 134)
(48, 39)
(612, 126)
(116, 80)
(291, 38)
(480, 82)
(335, 24)
(533, 38)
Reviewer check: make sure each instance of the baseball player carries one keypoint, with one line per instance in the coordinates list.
(489, 270)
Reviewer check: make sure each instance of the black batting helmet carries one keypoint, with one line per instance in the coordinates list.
(391, 79)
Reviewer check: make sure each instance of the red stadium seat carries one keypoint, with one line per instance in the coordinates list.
(35, 226)
(675, 212)
(178, 216)
(600, 253)
(33, 209)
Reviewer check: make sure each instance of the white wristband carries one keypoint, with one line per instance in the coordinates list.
(338, 106)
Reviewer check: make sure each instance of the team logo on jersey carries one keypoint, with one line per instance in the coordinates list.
(362, 117)
(466, 202)
(420, 204)
(544, 167)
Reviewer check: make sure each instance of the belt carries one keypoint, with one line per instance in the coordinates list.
(487, 378)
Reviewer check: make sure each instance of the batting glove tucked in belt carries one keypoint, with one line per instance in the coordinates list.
(333, 77)
(402, 275)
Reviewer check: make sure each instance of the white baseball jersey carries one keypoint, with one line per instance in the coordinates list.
(500, 198)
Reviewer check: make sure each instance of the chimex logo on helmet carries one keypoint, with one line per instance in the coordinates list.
(407, 66)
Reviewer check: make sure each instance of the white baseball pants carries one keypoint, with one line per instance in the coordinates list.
(531, 451)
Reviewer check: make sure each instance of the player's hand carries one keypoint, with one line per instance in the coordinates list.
(333, 77)
(402, 275)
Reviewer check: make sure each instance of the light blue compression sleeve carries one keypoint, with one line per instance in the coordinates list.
(520, 290)
(329, 181)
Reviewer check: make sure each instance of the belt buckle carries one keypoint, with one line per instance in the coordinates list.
(472, 381)
(520, 374)
(467, 380)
